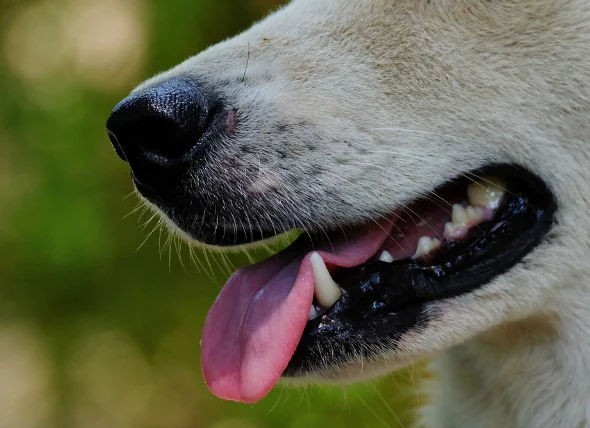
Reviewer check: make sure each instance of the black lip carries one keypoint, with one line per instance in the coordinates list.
(225, 237)
(381, 301)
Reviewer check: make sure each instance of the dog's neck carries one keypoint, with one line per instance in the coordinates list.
(534, 373)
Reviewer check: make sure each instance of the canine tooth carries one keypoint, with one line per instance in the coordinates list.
(460, 216)
(487, 192)
(386, 257)
(426, 245)
(326, 290)
(313, 313)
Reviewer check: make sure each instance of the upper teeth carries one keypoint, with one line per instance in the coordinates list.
(473, 213)
(326, 290)
(425, 245)
(463, 216)
(460, 217)
(487, 192)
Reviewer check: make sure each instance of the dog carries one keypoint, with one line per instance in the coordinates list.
(431, 156)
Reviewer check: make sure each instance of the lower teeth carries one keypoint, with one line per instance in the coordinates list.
(386, 257)
(487, 192)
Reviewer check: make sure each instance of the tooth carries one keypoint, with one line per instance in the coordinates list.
(313, 313)
(426, 245)
(423, 246)
(487, 192)
(326, 290)
(435, 244)
(386, 257)
(459, 215)
(449, 229)
(453, 232)
(474, 213)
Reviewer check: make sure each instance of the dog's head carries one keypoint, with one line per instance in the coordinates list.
(430, 153)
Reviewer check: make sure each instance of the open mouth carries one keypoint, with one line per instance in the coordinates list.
(320, 304)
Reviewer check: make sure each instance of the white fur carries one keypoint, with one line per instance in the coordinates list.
(386, 99)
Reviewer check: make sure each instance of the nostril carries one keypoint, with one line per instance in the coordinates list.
(165, 138)
(162, 124)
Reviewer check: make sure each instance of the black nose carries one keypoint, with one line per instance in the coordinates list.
(162, 125)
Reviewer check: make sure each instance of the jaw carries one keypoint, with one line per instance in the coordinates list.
(396, 292)
(390, 286)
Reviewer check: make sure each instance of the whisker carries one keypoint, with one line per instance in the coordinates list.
(379, 418)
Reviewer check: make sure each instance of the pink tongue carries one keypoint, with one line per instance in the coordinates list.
(257, 320)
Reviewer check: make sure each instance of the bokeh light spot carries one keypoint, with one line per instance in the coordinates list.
(107, 40)
(26, 379)
(34, 43)
(101, 44)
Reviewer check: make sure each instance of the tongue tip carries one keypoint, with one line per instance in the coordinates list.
(227, 388)
(237, 396)
(252, 331)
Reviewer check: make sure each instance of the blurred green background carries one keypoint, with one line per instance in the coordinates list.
(100, 327)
